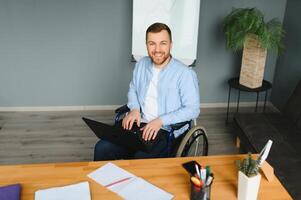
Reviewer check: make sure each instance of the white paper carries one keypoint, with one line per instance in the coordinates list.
(127, 185)
(141, 189)
(78, 191)
(109, 174)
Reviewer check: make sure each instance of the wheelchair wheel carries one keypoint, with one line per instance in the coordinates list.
(194, 143)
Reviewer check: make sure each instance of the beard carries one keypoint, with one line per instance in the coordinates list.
(159, 60)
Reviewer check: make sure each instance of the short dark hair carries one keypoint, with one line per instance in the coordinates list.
(156, 28)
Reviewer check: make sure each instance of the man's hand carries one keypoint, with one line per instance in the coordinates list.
(133, 116)
(151, 129)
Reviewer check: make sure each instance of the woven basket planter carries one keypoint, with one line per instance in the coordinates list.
(253, 63)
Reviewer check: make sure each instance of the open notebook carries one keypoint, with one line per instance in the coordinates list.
(127, 185)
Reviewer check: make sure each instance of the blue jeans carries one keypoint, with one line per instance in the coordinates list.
(105, 150)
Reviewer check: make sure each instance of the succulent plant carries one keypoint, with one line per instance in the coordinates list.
(248, 166)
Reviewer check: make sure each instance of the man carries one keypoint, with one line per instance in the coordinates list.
(163, 91)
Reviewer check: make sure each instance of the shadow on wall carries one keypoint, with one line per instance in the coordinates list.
(234, 57)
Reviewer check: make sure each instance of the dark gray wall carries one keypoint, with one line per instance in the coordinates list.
(215, 63)
(77, 52)
(288, 71)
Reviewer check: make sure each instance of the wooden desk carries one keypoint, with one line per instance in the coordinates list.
(167, 174)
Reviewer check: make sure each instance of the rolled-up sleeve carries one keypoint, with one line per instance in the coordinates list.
(190, 100)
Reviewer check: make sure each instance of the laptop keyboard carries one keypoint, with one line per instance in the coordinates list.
(147, 143)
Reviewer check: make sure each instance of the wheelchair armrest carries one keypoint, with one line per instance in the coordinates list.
(179, 125)
(123, 109)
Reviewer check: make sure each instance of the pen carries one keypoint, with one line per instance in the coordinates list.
(197, 170)
(203, 174)
(119, 181)
(197, 182)
(209, 180)
(208, 171)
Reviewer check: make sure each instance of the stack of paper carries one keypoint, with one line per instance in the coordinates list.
(127, 185)
(78, 191)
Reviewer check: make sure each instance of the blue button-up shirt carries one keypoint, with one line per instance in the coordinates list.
(178, 91)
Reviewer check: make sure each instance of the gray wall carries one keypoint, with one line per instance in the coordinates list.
(77, 52)
(288, 71)
(64, 52)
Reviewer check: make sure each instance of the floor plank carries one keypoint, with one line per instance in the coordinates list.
(38, 137)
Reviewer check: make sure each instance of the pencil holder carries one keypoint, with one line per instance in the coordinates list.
(199, 193)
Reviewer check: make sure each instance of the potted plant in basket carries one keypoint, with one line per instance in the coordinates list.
(246, 29)
(248, 178)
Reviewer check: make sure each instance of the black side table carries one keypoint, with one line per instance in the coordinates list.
(234, 83)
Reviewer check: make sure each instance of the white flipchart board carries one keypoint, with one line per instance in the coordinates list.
(182, 17)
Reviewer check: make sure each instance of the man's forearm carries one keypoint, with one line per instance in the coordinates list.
(183, 114)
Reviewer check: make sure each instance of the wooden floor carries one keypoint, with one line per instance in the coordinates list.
(39, 137)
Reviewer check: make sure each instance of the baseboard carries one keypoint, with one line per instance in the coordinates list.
(58, 108)
(113, 107)
(234, 104)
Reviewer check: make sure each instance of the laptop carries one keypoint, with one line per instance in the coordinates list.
(131, 139)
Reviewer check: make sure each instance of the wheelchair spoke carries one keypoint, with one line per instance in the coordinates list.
(195, 143)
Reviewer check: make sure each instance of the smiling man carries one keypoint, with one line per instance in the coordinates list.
(163, 91)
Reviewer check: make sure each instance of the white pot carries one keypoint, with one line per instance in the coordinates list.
(248, 186)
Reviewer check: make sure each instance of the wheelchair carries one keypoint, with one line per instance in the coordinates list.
(192, 142)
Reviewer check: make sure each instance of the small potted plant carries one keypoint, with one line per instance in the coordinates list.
(248, 178)
(246, 29)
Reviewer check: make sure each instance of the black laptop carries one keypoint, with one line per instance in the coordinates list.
(131, 139)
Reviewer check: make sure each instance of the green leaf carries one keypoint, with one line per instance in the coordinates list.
(243, 21)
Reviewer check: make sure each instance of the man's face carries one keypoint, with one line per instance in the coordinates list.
(158, 47)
